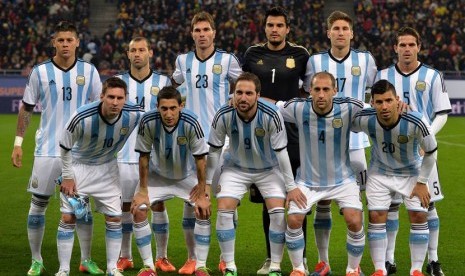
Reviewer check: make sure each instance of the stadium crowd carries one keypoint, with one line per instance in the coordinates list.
(25, 29)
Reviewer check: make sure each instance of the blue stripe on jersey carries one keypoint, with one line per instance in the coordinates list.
(153, 100)
(419, 94)
(387, 142)
(403, 146)
(308, 173)
(168, 152)
(356, 79)
(234, 139)
(219, 114)
(80, 72)
(189, 58)
(53, 100)
(183, 148)
(321, 123)
(202, 92)
(216, 83)
(324, 63)
(247, 140)
(373, 135)
(338, 140)
(191, 119)
(272, 112)
(417, 121)
(405, 87)
(65, 90)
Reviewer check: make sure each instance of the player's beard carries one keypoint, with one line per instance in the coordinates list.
(276, 43)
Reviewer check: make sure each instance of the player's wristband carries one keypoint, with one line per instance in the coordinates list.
(422, 181)
(18, 141)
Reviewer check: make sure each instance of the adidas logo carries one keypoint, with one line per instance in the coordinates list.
(260, 62)
(188, 70)
(52, 82)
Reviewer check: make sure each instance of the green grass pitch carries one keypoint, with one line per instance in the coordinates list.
(250, 249)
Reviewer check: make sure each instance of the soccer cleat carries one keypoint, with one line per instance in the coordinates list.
(353, 273)
(36, 269)
(90, 267)
(391, 268)
(146, 271)
(115, 272)
(188, 268)
(202, 271)
(229, 272)
(417, 273)
(62, 273)
(297, 272)
(434, 269)
(265, 269)
(321, 269)
(164, 265)
(275, 273)
(124, 264)
(378, 272)
(222, 266)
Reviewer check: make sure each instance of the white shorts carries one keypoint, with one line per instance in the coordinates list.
(101, 182)
(45, 171)
(346, 196)
(235, 182)
(129, 179)
(358, 164)
(381, 190)
(162, 189)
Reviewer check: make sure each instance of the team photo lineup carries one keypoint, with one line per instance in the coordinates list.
(281, 127)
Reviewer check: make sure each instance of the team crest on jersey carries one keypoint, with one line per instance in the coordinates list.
(80, 80)
(337, 123)
(259, 132)
(260, 62)
(356, 71)
(182, 140)
(402, 139)
(218, 188)
(154, 90)
(290, 63)
(420, 86)
(217, 69)
(34, 183)
(123, 131)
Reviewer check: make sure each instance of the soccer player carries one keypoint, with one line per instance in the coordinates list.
(144, 85)
(60, 85)
(209, 74)
(423, 89)
(280, 65)
(354, 71)
(324, 174)
(91, 139)
(257, 155)
(396, 166)
(177, 164)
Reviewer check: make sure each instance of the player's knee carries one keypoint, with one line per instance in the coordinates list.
(140, 215)
(39, 204)
(126, 206)
(417, 217)
(158, 207)
(114, 219)
(68, 218)
(379, 216)
(295, 221)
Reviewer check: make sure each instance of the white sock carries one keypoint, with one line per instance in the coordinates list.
(84, 231)
(36, 225)
(188, 225)
(65, 242)
(392, 228)
(418, 241)
(226, 235)
(355, 246)
(322, 225)
(295, 247)
(160, 227)
(143, 235)
(377, 240)
(277, 234)
(433, 225)
(113, 238)
(202, 233)
(126, 244)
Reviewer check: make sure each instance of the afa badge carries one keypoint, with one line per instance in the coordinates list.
(80, 80)
(34, 183)
(182, 140)
(337, 123)
(290, 63)
(420, 86)
(356, 71)
(260, 132)
(402, 139)
(217, 69)
(154, 90)
(124, 131)
(218, 188)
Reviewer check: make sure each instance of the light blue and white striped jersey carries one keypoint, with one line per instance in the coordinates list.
(59, 93)
(94, 141)
(143, 93)
(252, 144)
(354, 74)
(323, 140)
(395, 151)
(173, 149)
(207, 82)
(423, 89)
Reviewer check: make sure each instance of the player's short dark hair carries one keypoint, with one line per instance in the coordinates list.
(167, 93)
(247, 76)
(141, 38)
(114, 82)
(381, 87)
(407, 31)
(339, 15)
(65, 26)
(203, 16)
(324, 73)
(277, 11)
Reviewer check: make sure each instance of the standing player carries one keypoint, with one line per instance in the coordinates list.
(143, 86)
(90, 141)
(208, 73)
(424, 91)
(397, 167)
(354, 71)
(60, 85)
(280, 66)
(324, 131)
(257, 147)
(177, 163)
